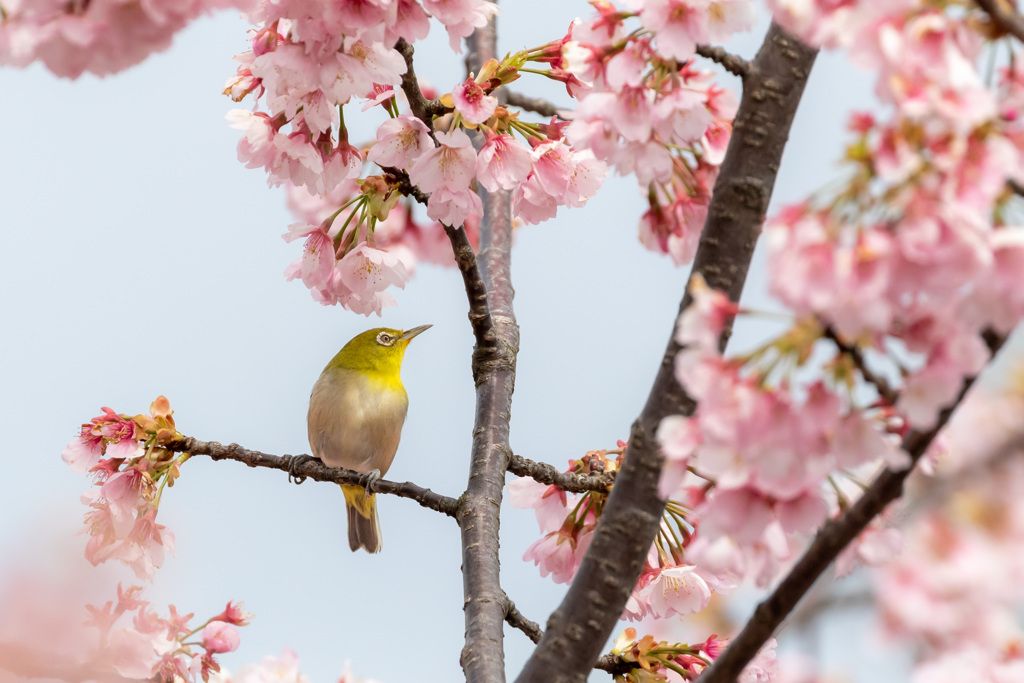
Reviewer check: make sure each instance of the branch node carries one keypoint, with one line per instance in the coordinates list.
(734, 64)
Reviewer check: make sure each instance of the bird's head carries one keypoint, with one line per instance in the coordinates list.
(377, 351)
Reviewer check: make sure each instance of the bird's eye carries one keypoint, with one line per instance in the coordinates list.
(384, 338)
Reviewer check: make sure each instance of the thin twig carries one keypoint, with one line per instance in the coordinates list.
(465, 258)
(613, 664)
(734, 64)
(534, 104)
(631, 518)
(516, 619)
(422, 108)
(881, 385)
(830, 540)
(1004, 17)
(400, 180)
(316, 470)
(567, 481)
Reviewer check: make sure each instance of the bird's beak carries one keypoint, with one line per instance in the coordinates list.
(409, 334)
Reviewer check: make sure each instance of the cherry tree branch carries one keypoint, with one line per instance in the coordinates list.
(734, 64)
(613, 664)
(578, 629)
(494, 372)
(1004, 16)
(567, 481)
(314, 469)
(535, 104)
(826, 546)
(516, 619)
(881, 385)
(421, 107)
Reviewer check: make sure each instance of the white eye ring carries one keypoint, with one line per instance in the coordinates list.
(385, 339)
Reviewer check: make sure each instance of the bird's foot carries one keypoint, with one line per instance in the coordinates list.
(369, 482)
(294, 463)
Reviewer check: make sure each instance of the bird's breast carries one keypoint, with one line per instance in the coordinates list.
(355, 419)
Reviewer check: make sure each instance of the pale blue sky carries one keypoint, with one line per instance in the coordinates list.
(140, 258)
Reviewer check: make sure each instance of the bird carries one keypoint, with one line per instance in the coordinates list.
(356, 412)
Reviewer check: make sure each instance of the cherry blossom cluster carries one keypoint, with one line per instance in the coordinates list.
(99, 37)
(916, 247)
(957, 586)
(567, 520)
(304, 73)
(670, 583)
(344, 259)
(309, 59)
(138, 643)
(766, 459)
(662, 661)
(126, 458)
(647, 110)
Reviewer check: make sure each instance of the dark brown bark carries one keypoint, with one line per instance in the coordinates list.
(494, 368)
(578, 629)
(314, 469)
(567, 481)
(535, 104)
(1004, 17)
(734, 64)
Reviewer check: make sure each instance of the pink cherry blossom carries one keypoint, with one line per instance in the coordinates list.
(677, 591)
(764, 667)
(503, 163)
(531, 203)
(742, 514)
(678, 25)
(552, 166)
(679, 439)
(454, 206)
(473, 102)
(460, 17)
(726, 17)
(220, 636)
(317, 260)
(366, 272)
(803, 514)
(400, 142)
(702, 322)
(256, 148)
(101, 38)
(555, 554)
(451, 164)
(126, 492)
(84, 452)
(550, 503)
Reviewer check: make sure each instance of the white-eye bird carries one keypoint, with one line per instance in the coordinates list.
(356, 412)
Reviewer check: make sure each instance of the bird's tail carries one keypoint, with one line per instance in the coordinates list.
(363, 526)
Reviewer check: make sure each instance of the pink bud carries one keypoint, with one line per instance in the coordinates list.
(220, 636)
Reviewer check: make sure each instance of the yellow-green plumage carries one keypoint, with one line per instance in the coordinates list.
(356, 412)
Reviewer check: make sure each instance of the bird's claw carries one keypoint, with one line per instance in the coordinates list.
(294, 463)
(369, 482)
